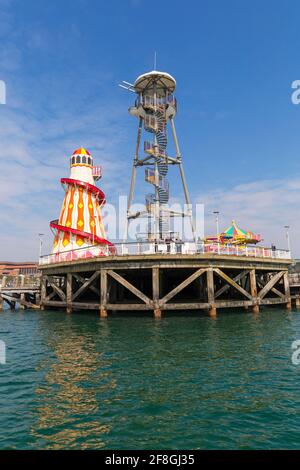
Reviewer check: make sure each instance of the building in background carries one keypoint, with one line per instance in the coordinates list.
(9, 268)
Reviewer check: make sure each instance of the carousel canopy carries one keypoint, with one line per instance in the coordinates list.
(233, 231)
(235, 235)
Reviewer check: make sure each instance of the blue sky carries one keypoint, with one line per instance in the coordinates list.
(234, 63)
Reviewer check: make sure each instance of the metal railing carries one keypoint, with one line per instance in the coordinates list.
(159, 101)
(97, 172)
(163, 248)
(152, 149)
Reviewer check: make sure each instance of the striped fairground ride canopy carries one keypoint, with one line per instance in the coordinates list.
(235, 235)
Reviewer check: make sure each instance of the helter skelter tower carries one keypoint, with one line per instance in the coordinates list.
(80, 223)
(155, 108)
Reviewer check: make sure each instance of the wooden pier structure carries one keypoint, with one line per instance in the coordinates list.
(165, 282)
(20, 290)
(294, 281)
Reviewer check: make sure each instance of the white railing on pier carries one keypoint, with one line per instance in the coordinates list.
(163, 248)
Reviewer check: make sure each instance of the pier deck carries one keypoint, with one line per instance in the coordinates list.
(21, 290)
(164, 282)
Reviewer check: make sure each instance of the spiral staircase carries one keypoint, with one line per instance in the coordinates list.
(155, 123)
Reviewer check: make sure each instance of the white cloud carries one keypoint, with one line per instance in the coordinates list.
(34, 156)
(44, 120)
(263, 206)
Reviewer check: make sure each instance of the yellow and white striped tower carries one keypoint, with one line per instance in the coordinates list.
(80, 223)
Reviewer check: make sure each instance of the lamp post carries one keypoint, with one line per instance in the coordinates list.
(216, 213)
(41, 243)
(287, 234)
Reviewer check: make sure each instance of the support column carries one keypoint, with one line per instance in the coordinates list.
(155, 288)
(253, 289)
(103, 293)
(37, 298)
(3, 283)
(22, 296)
(69, 292)
(287, 291)
(43, 292)
(211, 293)
(297, 302)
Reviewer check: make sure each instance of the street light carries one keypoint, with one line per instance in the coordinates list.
(41, 243)
(287, 234)
(216, 213)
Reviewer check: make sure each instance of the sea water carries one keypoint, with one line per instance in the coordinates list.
(133, 382)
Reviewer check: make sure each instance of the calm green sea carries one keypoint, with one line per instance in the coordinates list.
(130, 382)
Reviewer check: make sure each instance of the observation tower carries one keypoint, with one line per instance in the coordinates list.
(155, 108)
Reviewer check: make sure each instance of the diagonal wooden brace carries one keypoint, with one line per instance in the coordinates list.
(226, 287)
(181, 286)
(129, 286)
(270, 284)
(82, 281)
(232, 283)
(59, 292)
(85, 286)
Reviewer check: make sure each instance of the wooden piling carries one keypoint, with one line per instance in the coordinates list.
(22, 299)
(155, 289)
(22, 296)
(103, 293)
(253, 290)
(287, 291)
(211, 293)
(69, 293)
(43, 293)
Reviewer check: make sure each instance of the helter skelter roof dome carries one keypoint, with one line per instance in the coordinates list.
(81, 151)
(163, 80)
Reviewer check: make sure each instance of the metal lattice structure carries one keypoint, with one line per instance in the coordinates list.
(156, 108)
